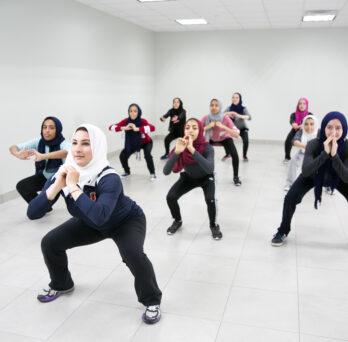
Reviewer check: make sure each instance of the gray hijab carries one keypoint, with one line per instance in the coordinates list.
(213, 118)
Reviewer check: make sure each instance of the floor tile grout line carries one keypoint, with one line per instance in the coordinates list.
(237, 265)
(73, 312)
(176, 268)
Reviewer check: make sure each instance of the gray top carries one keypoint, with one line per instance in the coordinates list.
(313, 161)
(203, 167)
(240, 123)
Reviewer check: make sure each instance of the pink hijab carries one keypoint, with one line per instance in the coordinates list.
(300, 115)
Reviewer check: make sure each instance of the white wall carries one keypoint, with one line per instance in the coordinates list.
(62, 58)
(271, 69)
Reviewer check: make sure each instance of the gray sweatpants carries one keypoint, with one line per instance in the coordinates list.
(295, 163)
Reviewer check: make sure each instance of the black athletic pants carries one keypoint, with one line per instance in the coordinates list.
(129, 238)
(28, 187)
(186, 184)
(294, 196)
(230, 149)
(288, 143)
(147, 155)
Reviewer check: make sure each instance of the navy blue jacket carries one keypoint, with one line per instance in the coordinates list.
(103, 206)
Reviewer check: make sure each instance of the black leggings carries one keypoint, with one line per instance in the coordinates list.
(186, 184)
(28, 187)
(231, 150)
(294, 196)
(147, 154)
(169, 138)
(129, 238)
(288, 143)
(245, 138)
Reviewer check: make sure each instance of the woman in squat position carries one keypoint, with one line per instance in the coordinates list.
(94, 197)
(196, 157)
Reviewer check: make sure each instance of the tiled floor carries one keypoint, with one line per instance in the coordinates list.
(237, 289)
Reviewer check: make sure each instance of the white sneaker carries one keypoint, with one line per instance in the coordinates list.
(153, 177)
(152, 314)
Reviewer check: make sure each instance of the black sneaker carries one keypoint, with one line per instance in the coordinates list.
(50, 294)
(215, 232)
(174, 227)
(125, 175)
(237, 181)
(164, 157)
(152, 314)
(278, 239)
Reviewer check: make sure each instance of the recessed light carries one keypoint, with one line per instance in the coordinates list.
(191, 21)
(319, 16)
(153, 0)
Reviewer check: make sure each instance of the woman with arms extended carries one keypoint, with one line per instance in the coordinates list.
(49, 153)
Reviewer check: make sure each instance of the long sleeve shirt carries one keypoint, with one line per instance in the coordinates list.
(240, 123)
(313, 161)
(34, 144)
(203, 167)
(143, 130)
(103, 206)
(219, 133)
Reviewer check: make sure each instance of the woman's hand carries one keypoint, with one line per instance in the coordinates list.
(180, 146)
(38, 156)
(295, 125)
(189, 143)
(60, 181)
(72, 177)
(219, 124)
(162, 118)
(24, 154)
(328, 145)
(174, 118)
(59, 184)
(334, 147)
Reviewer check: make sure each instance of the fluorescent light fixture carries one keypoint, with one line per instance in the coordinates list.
(319, 16)
(191, 21)
(153, 0)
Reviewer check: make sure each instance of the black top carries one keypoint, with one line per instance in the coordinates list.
(293, 117)
(313, 161)
(203, 167)
(102, 206)
(176, 128)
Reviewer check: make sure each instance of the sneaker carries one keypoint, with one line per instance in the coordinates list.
(237, 181)
(164, 157)
(286, 187)
(125, 175)
(215, 232)
(245, 159)
(286, 161)
(226, 157)
(152, 314)
(152, 177)
(278, 239)
(174, 227)
(328, 190)
(50, 294)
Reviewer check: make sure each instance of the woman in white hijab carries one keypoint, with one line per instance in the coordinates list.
(94, 196)
(301, 138)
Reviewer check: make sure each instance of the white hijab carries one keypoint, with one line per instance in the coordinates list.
(88, 173)
(306, 136)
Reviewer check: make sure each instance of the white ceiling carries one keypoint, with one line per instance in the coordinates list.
(221, 14)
